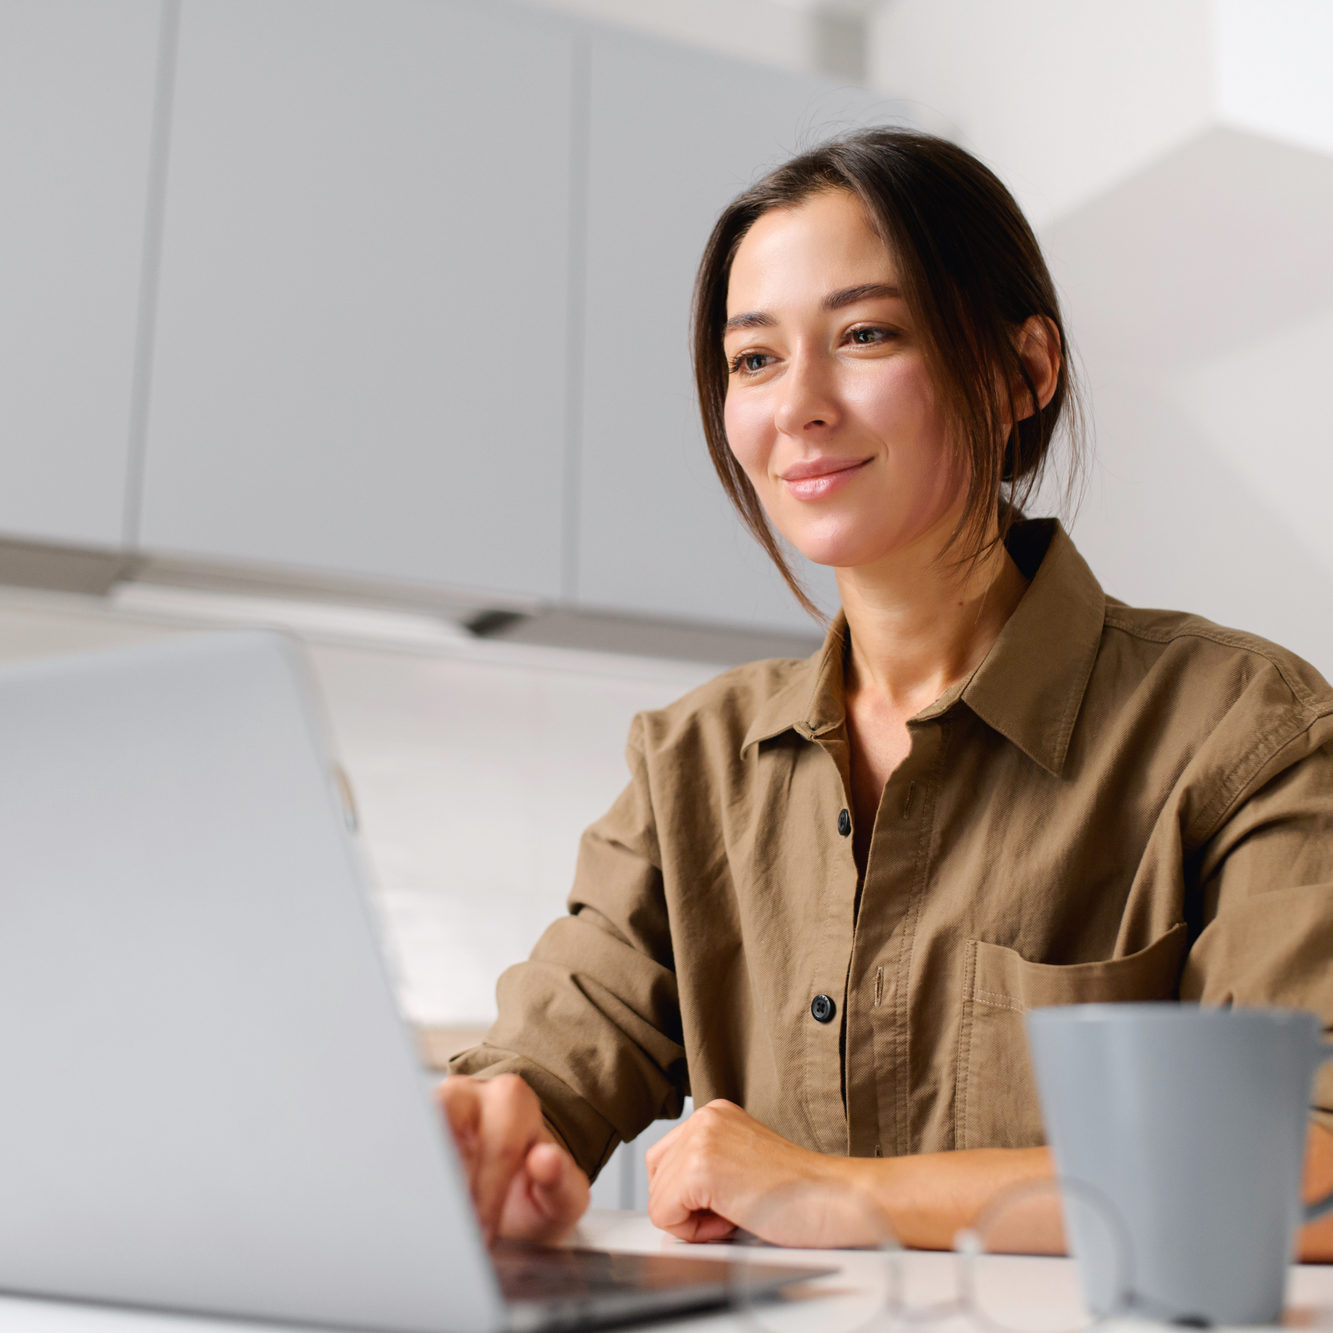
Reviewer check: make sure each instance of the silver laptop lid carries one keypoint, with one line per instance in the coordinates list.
(210, 1102)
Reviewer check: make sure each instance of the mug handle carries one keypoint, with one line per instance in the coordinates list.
(1320, 1207)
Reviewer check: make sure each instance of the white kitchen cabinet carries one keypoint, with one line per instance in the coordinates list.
(77, 89)
(361, 339)
(674, 134)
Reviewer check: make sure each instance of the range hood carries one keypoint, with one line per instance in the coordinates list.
(371, 612)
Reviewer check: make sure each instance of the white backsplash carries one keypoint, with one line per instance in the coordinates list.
(475, 768)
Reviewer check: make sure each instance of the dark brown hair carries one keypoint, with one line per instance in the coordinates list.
(971, 273)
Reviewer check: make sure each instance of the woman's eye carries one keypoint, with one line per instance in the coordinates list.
(748, 363)
(869, 335)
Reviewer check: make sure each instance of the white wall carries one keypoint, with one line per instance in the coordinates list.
(1206, 340)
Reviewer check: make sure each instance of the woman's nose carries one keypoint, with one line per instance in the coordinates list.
(807, 400)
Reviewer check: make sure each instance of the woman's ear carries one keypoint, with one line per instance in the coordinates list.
(1038, 347)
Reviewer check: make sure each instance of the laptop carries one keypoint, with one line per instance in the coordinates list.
(210, 1101)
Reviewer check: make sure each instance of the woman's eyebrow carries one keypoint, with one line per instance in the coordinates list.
(865, 291)
(754, 319)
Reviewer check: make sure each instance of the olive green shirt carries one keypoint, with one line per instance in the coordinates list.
(1117, 804)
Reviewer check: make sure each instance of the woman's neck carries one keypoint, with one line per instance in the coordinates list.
(922, 621)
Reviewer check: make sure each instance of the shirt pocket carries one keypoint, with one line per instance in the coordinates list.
(996, 1105)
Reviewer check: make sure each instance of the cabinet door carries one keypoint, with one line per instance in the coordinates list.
(361, 341)
(77, 86)
(675, 134)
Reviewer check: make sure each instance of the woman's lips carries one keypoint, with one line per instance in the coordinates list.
(813, 481)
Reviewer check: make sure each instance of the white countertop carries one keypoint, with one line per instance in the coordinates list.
(827, 1305)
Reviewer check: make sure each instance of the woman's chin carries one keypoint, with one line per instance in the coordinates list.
(833, 553)
(852, 545)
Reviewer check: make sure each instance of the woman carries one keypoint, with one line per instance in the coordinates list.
(832, 887)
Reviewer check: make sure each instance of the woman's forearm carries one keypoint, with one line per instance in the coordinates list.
(927, 1199)
(721, 1169)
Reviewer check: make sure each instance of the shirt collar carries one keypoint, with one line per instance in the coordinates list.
(1029, 687)
(811, 702)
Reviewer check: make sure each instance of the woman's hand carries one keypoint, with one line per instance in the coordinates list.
(721, 1169)
(524, 1185)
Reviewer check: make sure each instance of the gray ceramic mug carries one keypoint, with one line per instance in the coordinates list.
(1189, 1126)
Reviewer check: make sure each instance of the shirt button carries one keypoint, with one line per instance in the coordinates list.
(844, 822)
(822, 1009)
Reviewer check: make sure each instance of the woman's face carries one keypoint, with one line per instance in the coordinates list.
(829, 407)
